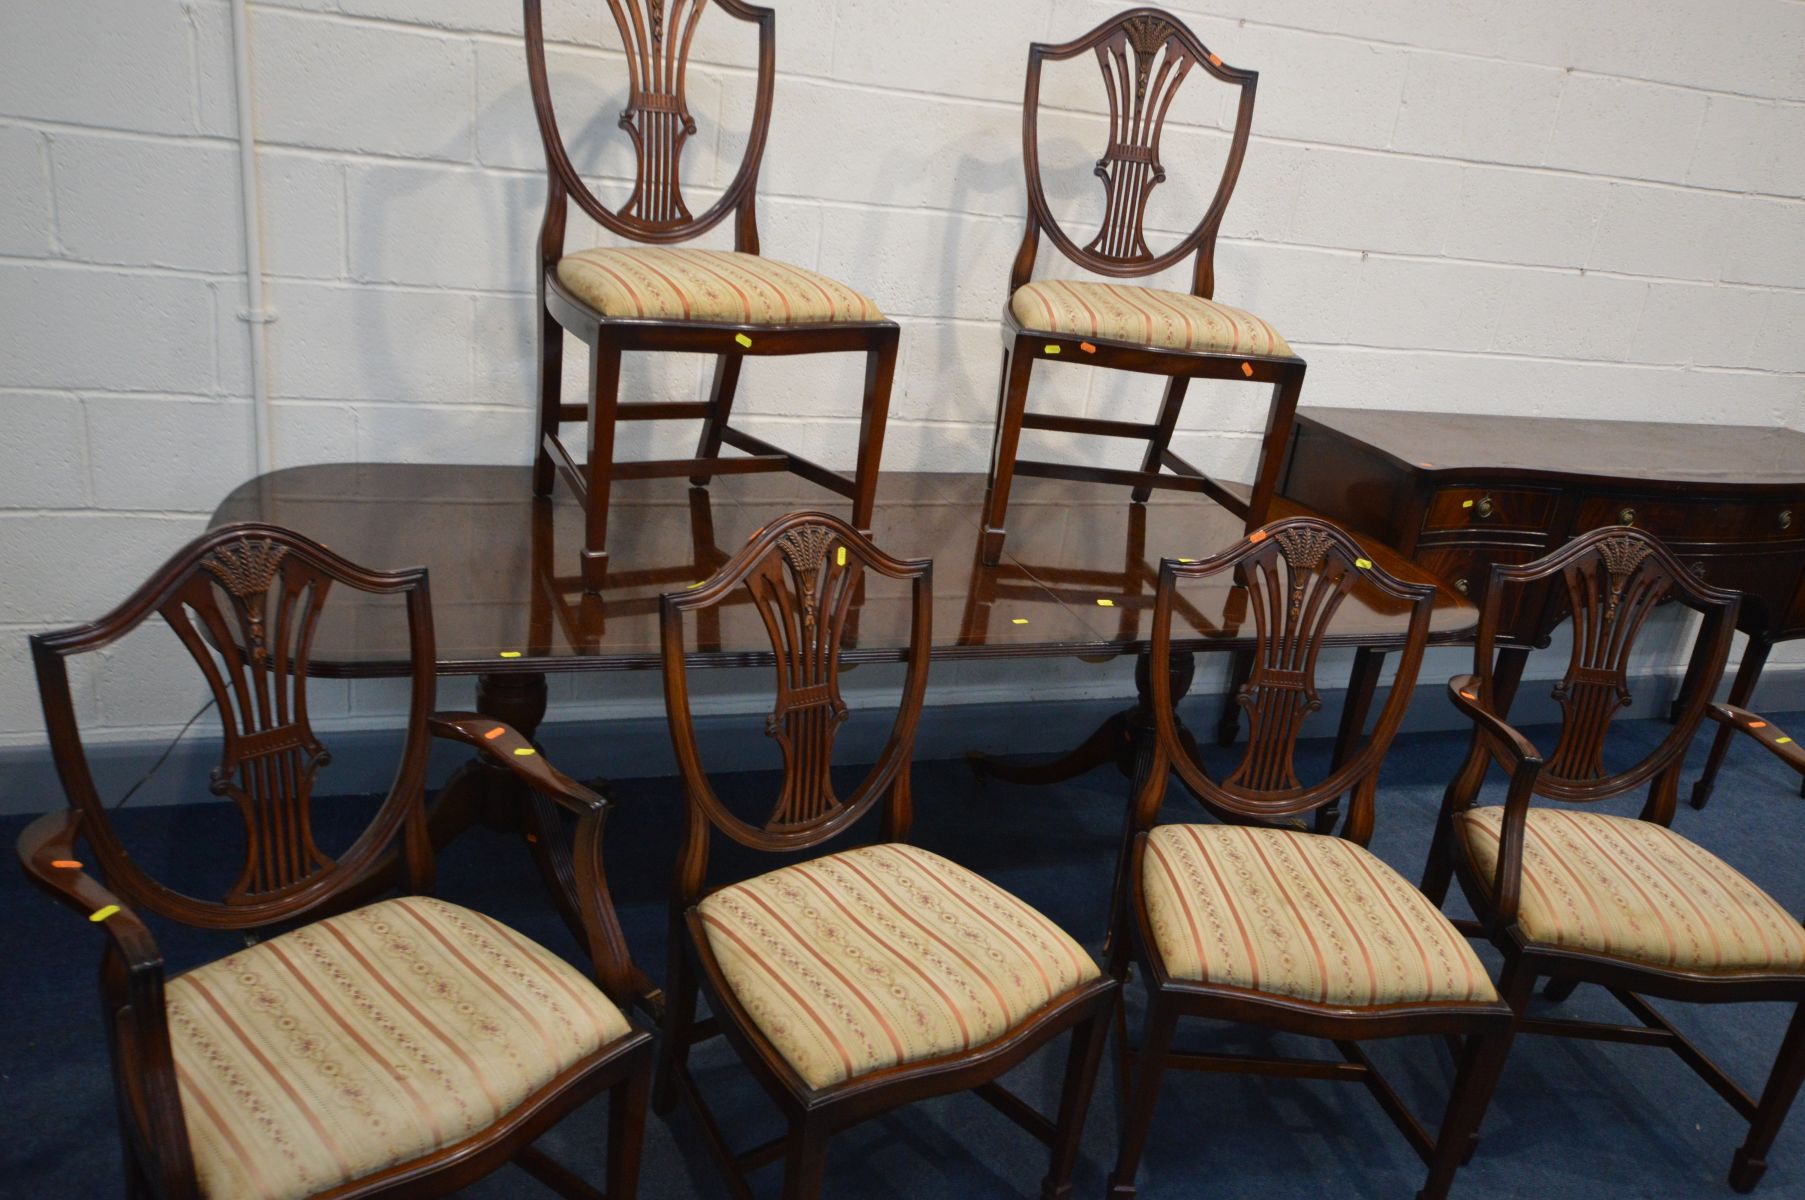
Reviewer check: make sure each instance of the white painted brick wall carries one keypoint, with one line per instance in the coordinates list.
(1522, 206)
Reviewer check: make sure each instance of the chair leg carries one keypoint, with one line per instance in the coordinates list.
(874, 414)
(1742, 689)
(1482, 1061)
(1162, 433)
(627, 1132)
(1137, 1118)
(679, 1018)
(1088, 1040)
(1438, 871)
(720, 409)
(804, 1160)
(604, 403)
(1750, 1162)
(1280, 415)
(1018, 363)
(551, 389)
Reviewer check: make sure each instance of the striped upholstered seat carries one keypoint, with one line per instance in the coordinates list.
(673, 284)
(368, 1039)
(1145, 316)
(1637, 890)
(883, 955)
(1299, 914)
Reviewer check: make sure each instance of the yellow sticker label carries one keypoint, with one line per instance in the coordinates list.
(524, 752)
(510, 654)
(1365, 564)
(840, 557)
(101, 914)
(1106, 603)
(1781, 741)
(692, 587)
(1018, 620)
(1052, 349)
(1187, 560)
(743, 340)
(1466, 504)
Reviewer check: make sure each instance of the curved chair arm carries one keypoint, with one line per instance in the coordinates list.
(503, 744)
(1762, 730)
(132, 981)
(1524, 763)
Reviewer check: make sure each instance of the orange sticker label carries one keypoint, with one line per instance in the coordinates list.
(101, 914)
(66, 864)
(532, 838)
(1215, 60)
(1087, 347)
(1757, 724)
(1469, 696)
(1258, 535)
(495, 733)
(1247, 370)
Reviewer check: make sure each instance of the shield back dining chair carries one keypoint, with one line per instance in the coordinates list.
(863, 979)
(1216, 914)
(1577, 896)
(405, 1047)
(657, 295)
(1145, 56)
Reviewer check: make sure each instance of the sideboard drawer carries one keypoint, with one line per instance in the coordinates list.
(1467, 568)
(1695, 520)
(1478, 508)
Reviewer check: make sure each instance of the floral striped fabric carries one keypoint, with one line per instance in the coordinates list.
(366, 1040)
(1299, 914)
(883, 955)
(1636, 890)
(663, 284)
(1145, 316)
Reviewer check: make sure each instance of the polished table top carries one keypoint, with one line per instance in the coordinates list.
(1078, 576)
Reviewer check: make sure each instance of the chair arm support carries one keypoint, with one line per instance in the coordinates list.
(1762, 730)
(507, 748)
(1463, 690)
(51, 840)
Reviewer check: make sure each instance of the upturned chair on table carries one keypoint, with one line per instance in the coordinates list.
(1578, 896)
(841, 997)
(659, 296)
(1214, 913)
(1144, 55)
(405, 1047)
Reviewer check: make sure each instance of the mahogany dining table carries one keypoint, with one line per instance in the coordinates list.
(1078, 579)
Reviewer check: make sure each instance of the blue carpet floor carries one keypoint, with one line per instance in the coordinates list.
(1570, 1119)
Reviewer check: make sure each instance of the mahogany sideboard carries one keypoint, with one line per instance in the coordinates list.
(1458, 492)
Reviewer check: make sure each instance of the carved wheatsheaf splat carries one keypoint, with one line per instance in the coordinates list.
(1294, 587)
(656, 35)
(1610, 596)
(1140, 91)
(253, 650)
(803, 595)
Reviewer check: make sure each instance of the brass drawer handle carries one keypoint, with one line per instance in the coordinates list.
(1460, 585)
(1786, 518)
(1484, 508)
(1627, 516)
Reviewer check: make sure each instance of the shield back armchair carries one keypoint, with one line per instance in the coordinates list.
(656, 294)
(1145, 56)
(401, 1047)
(1573, 895)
